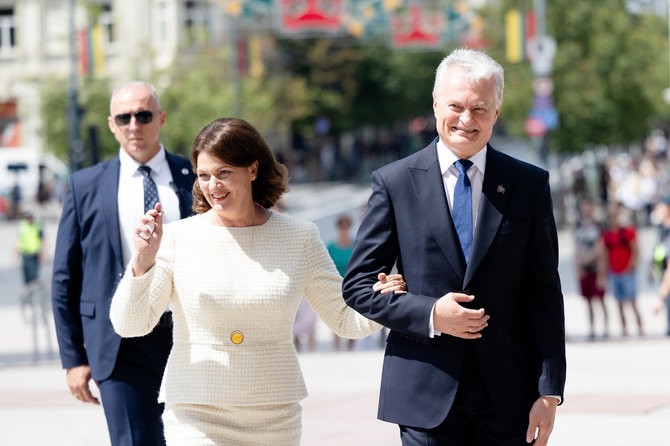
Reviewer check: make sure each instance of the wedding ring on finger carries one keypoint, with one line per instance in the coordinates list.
(469, 329)
(143, 235)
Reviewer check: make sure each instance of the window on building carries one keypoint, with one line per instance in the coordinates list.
(106, 21)
(162, 21)
(7, 31)
(55, 34)
(196, 21)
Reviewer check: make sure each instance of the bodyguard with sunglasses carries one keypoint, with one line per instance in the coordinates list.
(93, 247)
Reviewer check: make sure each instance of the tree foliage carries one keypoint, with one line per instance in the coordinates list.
(356, 85)
(609, 72)
(93, 99)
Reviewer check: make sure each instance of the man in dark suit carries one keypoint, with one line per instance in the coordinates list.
(103, 206)
(476, 352)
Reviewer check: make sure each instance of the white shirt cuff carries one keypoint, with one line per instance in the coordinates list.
(431, 325)
(560, 400)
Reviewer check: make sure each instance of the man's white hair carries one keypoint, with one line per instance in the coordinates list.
(477, 65)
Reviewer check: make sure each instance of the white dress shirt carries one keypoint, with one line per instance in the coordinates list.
(447, 158)
(131, 196)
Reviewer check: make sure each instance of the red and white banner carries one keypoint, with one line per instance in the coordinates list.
(417, 28)
(311, 15)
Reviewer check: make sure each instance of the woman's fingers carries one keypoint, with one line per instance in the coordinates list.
(150, 222)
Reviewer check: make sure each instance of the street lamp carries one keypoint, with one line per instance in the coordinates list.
(75, 145)
(666, 92)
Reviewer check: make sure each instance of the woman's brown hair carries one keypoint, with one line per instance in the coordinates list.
(238, 143)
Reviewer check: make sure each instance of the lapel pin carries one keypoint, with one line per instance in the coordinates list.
(184, 171)
(501, 189)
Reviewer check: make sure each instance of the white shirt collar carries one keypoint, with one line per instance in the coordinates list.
(447, 158)
(130, 165)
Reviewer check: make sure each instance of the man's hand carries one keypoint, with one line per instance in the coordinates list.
(541, 418)
(449, 317)
(77, 379)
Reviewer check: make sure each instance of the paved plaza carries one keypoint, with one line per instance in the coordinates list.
(618, 390)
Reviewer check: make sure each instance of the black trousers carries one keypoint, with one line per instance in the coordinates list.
(130, 394)
(472, 421)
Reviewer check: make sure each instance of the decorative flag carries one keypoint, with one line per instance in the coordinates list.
(98, 50)
(10, 133)
(256, 66)
(513, 36)
(529, 30)
(83, 52)
(311, 15)
(417, 28)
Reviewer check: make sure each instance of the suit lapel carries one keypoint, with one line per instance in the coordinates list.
(110, 206)
(183, 182)
(429, 188)
(496, 190)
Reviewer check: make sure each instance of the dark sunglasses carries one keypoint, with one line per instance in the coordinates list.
(142, 117)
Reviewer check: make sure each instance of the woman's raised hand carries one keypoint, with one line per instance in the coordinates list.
(148, 235)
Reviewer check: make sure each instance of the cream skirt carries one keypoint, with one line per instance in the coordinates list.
(196, 425)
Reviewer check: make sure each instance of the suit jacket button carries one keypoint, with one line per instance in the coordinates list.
(236, 337)
(467, 292)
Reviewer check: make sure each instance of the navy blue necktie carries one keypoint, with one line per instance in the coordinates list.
(150, 190)
(462, 209)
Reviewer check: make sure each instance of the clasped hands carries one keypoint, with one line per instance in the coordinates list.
(450, 317)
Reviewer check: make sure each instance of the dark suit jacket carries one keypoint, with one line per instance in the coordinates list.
(88, 262)
(512, 272)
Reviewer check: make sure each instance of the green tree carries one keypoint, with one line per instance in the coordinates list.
(609, 71)
(356, 85)
(94, 106)
(202, 89)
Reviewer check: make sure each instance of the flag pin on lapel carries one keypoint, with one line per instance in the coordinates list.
(501, 189)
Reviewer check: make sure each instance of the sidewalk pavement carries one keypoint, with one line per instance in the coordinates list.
(617, 394)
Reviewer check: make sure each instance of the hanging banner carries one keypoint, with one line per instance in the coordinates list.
(297, 16)
(83, 52)
(97, 42)
(417, 28)
(10, 125)
(514, 50)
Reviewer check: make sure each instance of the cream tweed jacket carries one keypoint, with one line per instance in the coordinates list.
(230, 284)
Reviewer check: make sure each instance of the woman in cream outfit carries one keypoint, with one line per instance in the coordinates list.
(233, 276)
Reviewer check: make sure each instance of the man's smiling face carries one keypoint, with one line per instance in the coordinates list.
(465, 112)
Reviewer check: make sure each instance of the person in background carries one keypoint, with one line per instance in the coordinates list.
(30, 247)
(591, 263)
(661, 256)
(622, 255)
(304, 326)
(340, 251)
(233, 275)
(93, 247)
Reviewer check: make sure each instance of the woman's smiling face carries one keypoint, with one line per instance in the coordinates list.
(226, 188)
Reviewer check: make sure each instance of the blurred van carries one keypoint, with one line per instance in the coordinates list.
(37, 175)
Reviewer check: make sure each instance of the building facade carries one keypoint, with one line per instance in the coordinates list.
(118, 39)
